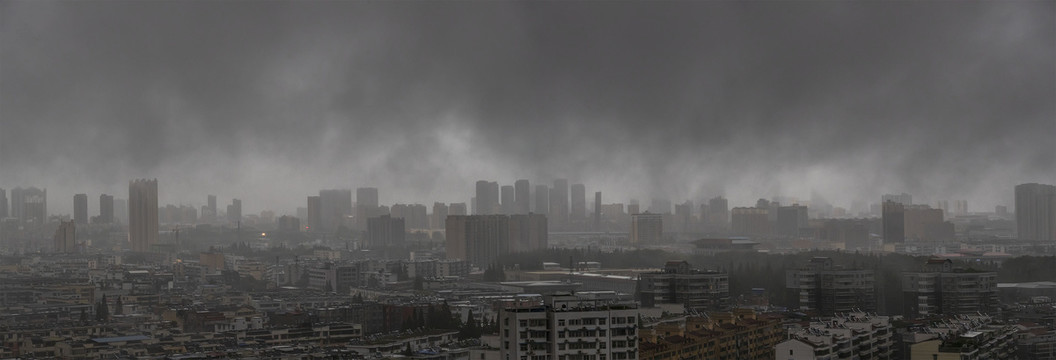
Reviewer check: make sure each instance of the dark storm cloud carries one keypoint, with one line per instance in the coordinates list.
(270, 101)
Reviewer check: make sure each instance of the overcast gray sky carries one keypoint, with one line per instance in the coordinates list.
(271, 101)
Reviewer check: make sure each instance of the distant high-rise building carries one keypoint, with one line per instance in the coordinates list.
(597, 211)
(579, 203)
(894, 220)
(647, 228)
(633, 208)
(234, 211)
(542, 200)
(456, 209)
(385, 230)
(289, 224)
(558, 215)
(683, 219)
(209, 211)
(923, 223)
(660, 206)
(30, 205)
(790, 219)
(507, 197)
(522, 197)
(106, 209)
(121, 210)
(440, 211)
(65, 239)
(478, 239)
(414, 215)
(336, 204)
(1001, 210)
(1036, 212)
(528, 232)
(315, 219)
(80, 208)
(718, 212)
(3, 205)
(142, 214)
(367, 206)
(904, 199)
(487, 197)
(752, 221)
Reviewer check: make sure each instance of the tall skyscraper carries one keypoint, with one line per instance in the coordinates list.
(367, 204)
(80, 208)
(507, 198)
(894, 222)
(559, 204)
(142, 214)
(209, 210)
(487, 197)
(522, 196)
(597, 211)
(234, 211)
(579, 203)
(3, 204)
(1036, 212)
(65, 239)
(315, 220)
(106, 209)
(336, 205)
(542, 200)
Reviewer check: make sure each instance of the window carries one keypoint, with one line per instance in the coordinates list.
(561, 322)
(601, 321)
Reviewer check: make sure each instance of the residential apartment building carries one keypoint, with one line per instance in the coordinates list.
(579, 326)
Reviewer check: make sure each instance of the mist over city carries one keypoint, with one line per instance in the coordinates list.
(440, 180)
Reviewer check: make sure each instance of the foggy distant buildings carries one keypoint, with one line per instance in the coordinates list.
(142, 214)
(385, 230)
(414, 215)
(1036, 212)
(579, 204)
(367, 206)
(487, 199)
(542, 200)
(923, 223)
(106, 209)
(335, 205)
(558, 215)
(289, 224)
(660, 206)
(80, 208)
(790, 219)
(678, 283)
(749, 221)
(597, 211)
(522, 196)
(234, 211)
(718, 213)
(208, 213)
(3, 204)
(457, 209)
(482, 239)
(29, 206)
(894, 220)
(507, 196)
(904, 199)
(314, 219)
(65, 239)
(646, 228)
(439, 215)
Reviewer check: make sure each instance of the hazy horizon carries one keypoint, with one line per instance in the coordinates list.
(272, 101)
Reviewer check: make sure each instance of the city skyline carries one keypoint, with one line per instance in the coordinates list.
(741, 100)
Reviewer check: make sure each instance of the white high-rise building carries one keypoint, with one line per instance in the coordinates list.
(599, 325)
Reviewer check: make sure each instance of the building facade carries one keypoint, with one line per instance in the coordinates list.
(581, 326)
(823, 287)
(678, 283)
(142, 214)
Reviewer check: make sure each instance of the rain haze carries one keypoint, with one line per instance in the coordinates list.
(272, 101)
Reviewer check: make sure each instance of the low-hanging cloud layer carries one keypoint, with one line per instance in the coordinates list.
(271, 101)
